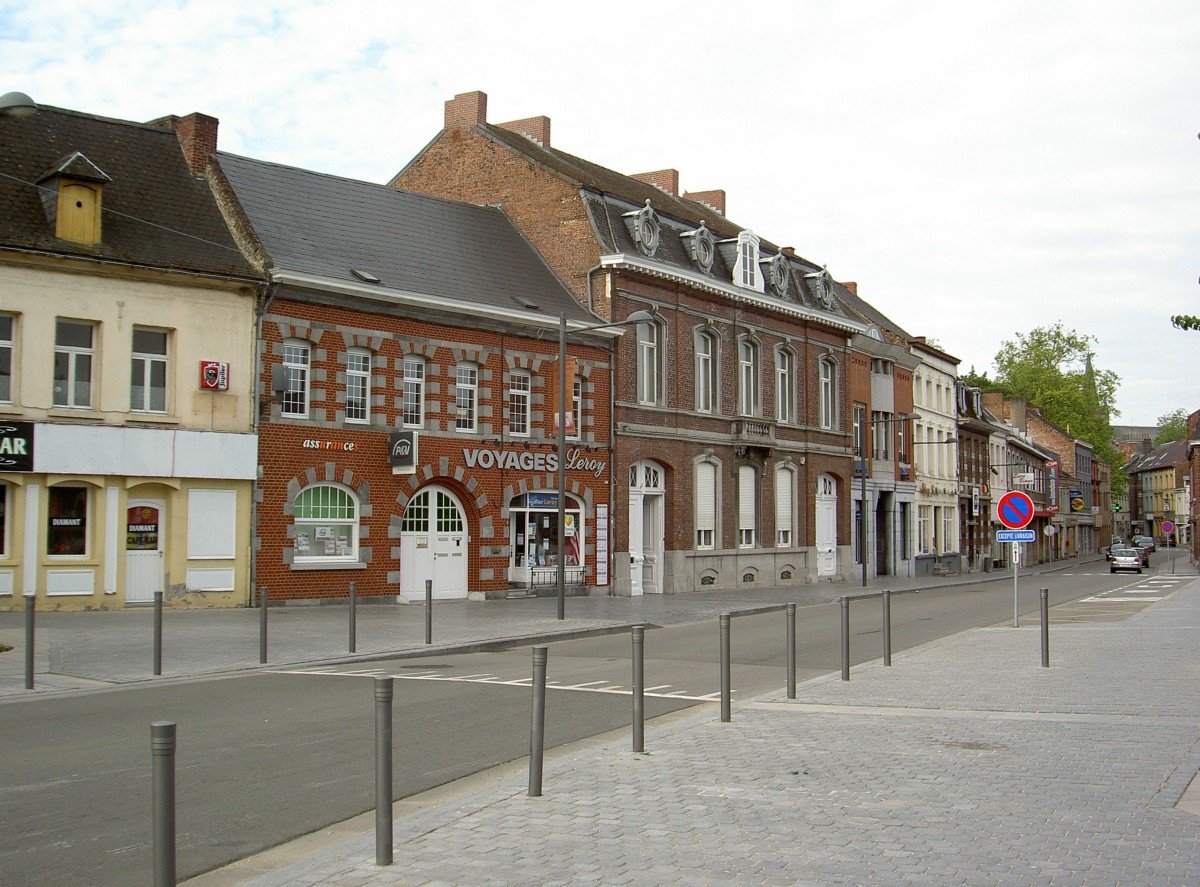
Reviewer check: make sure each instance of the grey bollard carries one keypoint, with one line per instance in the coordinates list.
(429, 611)
(791, 651)
(639, 688)
(162, 749)
(845, 638)
(887, 627)
(158, 610)
(30, 616)
(383, 770)
(353, 617)
(537, 725)
(1045, 596)
(263, 598)
(726, 692)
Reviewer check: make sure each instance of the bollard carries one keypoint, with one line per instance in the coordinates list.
(726, 715)
(383, 770)
(537, 724)
(639, 688)
(887, 627)
(30, 616)
(1045, 595)
(845, 638)
(429, 611)
(263, 597)
(353, 617)
(158, 601)
(791, 651)
(162, 750)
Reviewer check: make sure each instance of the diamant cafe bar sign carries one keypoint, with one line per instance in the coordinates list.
(16, 446)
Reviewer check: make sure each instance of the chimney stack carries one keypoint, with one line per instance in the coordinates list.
(666, 179)
(853, 287)
(712, 199)
(466, 109)
(197, 134)
(534, 128)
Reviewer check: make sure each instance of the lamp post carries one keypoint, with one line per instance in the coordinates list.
(564, 400)
(862, 474)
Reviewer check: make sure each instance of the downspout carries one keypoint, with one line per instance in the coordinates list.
(267, 296)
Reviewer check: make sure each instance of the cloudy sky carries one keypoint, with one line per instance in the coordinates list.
(979, 168)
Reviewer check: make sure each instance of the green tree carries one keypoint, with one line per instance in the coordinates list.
(1186, 322)
(1171, 427)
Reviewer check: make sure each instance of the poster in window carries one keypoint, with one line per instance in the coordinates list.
(302, 542)
(67, 530)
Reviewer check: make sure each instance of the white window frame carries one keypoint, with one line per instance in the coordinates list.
(749, 378)
(8, 334)
(576, 431)
(827, 393)
(143, 364)
(924, 528)
(297, 361)
(881, 435)
(520, 388)
(76, 361)
(340, 519)
(746, 271)
(707, 495)
(706, 371)
(466, 398)
(412, 397)
(747, 507)
(859, 429)
(358, 386)
(785, 386)
(785, 506)
(649, 366)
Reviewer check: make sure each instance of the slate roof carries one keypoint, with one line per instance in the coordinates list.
(156, 214)
(326, 226)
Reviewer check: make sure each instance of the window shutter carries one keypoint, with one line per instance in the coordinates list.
(746, 502)
(706, 496)
(783, 499)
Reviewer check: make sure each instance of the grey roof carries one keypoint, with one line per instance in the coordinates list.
(156, 214)
(330, 227)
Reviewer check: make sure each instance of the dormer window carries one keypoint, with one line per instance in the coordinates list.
(72, 194)
(701, 247)
(822, 286)
(777, 274)
(745, 269)
(645, 228)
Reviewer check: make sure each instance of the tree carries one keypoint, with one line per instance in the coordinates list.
(1053, 369)
(1186, 322)
(1171, 427)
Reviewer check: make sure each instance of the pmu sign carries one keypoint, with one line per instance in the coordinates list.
(1015, 510)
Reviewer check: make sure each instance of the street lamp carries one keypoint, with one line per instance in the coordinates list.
(862, 516)
(564, 397)
(17, 104)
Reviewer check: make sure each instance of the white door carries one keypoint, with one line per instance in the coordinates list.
(826, 513)
(647, 529)
(144, 534)
(433, 546)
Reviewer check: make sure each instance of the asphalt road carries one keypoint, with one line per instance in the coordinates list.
(265, 758)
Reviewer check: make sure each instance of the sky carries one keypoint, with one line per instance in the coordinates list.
(978, 168)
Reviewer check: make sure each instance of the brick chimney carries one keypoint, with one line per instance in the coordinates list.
(788, 251)
(466, 109)
(851, 285)
(712, 199)
(197, 134)
(534, 128)
(667, 179)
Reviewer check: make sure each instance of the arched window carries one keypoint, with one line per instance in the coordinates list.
(650, 363)
(785, 386)
(708, 495)
(706, 372)
(749, 384)
(326, 525)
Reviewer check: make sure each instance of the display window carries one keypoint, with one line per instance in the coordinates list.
(533, 519)
(66, 532)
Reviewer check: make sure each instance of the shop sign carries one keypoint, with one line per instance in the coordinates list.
(402, 452)
(1051, 487)
(1077, 503)
(16, 446)
(526, 460)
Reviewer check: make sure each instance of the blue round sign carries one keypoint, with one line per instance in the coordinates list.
(1015, 510)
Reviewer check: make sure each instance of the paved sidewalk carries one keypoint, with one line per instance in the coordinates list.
(965, 763)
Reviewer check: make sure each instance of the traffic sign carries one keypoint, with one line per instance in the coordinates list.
(1015, 510)
(1015, 535)
(1167, 527)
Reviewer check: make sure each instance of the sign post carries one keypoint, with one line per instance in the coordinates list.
(1168, 527)
(1015, 511)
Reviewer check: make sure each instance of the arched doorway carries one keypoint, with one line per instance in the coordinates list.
(826, 526)
(647, 527)
(433, 545)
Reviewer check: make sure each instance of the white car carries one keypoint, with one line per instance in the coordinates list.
(1125, 559)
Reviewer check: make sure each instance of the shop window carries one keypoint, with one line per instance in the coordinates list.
(148, 372)
(413, 403)
(358, 385)
(67, 530)
(326, 525)
(534, 521)
(296, 357)
(74, 353)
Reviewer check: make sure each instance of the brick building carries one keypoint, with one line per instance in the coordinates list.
(407, 352)
(732, 410)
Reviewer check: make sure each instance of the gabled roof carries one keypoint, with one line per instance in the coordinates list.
(1168, 455)
(326, 227)
(156, 214)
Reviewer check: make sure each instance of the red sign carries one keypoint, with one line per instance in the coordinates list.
(1015, 510)
(1168, 527)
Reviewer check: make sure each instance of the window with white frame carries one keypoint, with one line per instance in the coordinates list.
(827, 393)
(74, 353)
(749, 403)
(924, 529)
(785, 505)
(649, 366)
(518, 403)
(881, 431)
(747, 507)
(325, 519)
(706, 505)
(67, 521)
(466, 397)
(148, 371)
(296, 357)
(746, 271)
(358, 385)
(949, 520)
(7, 323)
(859, 429)
(785, 386)
(412, 399)
(706, 371)
(575, 432)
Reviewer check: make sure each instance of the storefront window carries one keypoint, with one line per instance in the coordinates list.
(66, 533)
(326, 525)
(534, 521)
(3, 520)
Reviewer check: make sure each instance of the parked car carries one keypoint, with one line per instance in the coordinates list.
(1143, 554)
(1124, 559)
(1144, 542)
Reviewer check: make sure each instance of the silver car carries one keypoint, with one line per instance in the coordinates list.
(1125, 559)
